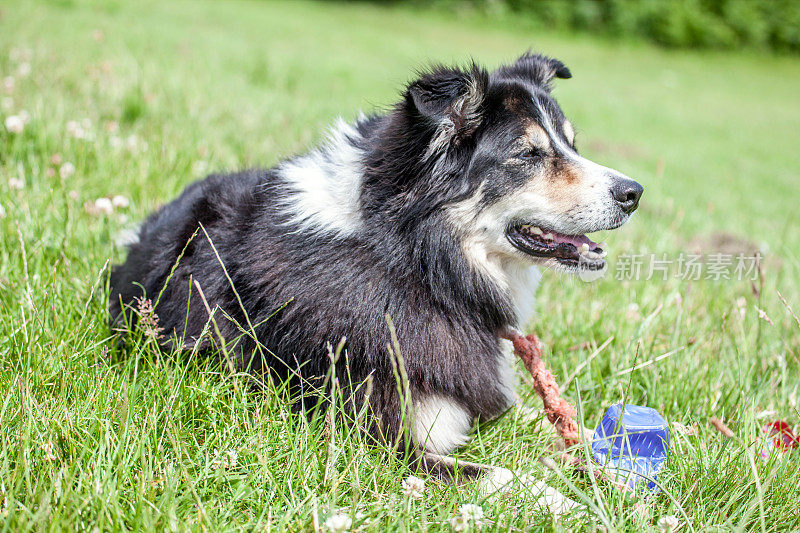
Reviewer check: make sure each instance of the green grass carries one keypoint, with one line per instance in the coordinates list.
(92, 436)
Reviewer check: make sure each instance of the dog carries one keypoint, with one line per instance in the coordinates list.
(439, 214)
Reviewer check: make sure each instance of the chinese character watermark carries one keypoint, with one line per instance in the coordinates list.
(688, 267)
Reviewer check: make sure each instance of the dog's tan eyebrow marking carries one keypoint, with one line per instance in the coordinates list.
(569, 132)
(536, 135)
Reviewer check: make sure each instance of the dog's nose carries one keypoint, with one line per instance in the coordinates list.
(626, 193)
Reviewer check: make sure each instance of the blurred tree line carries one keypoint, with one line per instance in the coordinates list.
(765, 24)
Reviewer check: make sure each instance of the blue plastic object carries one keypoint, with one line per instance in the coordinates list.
(632, 440)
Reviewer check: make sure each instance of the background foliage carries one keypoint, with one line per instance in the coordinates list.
(763, 24)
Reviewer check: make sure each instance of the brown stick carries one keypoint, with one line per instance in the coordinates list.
(559, 412)
(720, 426)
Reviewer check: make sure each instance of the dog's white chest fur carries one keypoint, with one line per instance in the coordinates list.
(523, 282)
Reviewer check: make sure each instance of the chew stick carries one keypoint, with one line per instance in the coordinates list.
(559, 412)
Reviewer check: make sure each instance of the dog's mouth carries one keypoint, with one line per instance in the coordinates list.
(575, 251)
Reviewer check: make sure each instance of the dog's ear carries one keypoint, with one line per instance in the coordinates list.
(451, 101)
(535, 68)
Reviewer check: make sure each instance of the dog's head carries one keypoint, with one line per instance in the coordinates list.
(526, 194)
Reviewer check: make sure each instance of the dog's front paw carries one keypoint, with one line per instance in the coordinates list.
(501, 481)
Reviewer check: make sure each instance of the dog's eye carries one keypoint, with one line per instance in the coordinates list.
(532, 156)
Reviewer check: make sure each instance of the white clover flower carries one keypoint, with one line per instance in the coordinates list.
(24, 69)
(103, 205)
(459, 523)
(468, 515)
(66, 170)
(133, 143)
(233, 459)
(74, 129)
(668, 523)
(14, 124)
(471, 511)
(224, 460)
(120, 202)
(413, 487)
(16, 183)
(338, 523)
(115, 141)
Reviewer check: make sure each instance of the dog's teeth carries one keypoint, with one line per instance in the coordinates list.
(536, 231)
(592, 255)
(603, 254)
(548, 236)
(602, 245)
(584, 248)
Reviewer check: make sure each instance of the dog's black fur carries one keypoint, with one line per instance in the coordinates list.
(447, 139)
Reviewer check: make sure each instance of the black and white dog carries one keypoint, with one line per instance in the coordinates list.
(438, 214)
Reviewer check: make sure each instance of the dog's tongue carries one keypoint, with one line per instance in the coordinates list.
(575, 240)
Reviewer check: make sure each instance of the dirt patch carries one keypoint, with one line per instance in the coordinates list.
(721, 242)
(730, 244)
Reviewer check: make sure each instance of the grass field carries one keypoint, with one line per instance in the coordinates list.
(139, 99)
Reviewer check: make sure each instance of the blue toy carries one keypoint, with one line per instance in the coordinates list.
(632, 440)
